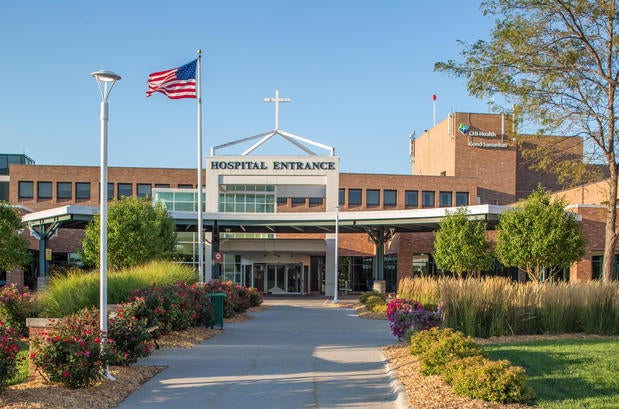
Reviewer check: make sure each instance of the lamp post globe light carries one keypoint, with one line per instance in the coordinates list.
(105, 81)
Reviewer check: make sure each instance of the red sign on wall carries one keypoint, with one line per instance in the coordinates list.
(218, 257)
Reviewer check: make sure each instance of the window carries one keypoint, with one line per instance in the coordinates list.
(462, 198)
(82, 190)
(444, 199)
(372, 198)
(298, 201)
(354, 197)
(26, 190)
(64, 190)
(110, 191)
(282, 201)
(342, 196)
(315, 201)
(411, 198)
(390, 197)
(144, 190)
(44, 190)
(162, 185)
(427, 198)
(125, 190)
(182, 186)
(247, 198)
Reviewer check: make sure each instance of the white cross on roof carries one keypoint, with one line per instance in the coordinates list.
(277, 100)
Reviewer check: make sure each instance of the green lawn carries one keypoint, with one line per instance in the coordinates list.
(567, 374)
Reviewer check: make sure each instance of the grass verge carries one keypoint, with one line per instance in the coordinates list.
(574, 374)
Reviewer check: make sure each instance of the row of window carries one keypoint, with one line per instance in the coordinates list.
(81, 190)
(301, 201)
(411, 198)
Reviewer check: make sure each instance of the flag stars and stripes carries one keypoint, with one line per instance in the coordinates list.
(175, 83)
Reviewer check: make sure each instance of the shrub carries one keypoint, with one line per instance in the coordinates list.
(364, 296)
(255, 298)
(71, 353)
(423, 340)
(8, 353)
(131, 340)
(373, 301)
(16, 306)
(495, 381)
(450, 345)
(238, 298)
(404, 315)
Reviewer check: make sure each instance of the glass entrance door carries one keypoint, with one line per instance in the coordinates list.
(293, 278)
(276, 280)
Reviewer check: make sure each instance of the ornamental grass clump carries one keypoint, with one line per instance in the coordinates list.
(72, 353)
(16, 306)
(8, 353)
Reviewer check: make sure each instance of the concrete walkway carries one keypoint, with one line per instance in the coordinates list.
(299, 353)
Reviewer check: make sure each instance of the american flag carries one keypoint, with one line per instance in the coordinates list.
(175, 83)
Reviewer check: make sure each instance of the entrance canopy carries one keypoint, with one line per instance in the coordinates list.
(401, 221)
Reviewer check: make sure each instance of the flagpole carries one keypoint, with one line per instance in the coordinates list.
(199, 225)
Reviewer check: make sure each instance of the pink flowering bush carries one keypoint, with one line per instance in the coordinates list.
(406, 315)
(71, 352)
(238, 298)
(174, 307)
(8, 353)
(131, 339)
(16, 306)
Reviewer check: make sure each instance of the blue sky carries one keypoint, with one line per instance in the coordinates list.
(359, 73)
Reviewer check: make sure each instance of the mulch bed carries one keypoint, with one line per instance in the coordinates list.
(36, 393)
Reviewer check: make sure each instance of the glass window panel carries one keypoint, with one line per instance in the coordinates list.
(239, 207)
(184, 206)
(184, 186)
(269, 208)
(167, 196)
(315, 201)
(427, 198)
(444, 199)
(64, 190)
(462, 198)
(372, 197)
(125, 190)
(354, 197)
(110, 191)
(144, 190)
(411, 198)
(44, 190)
(26, 190)
(282, 200)
(390, 197)
(184, 196)
(341, 196)
(82, 190)
(298, 201)
(162, 185)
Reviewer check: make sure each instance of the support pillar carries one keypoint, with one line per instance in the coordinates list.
(379, 236)
(330, 264)
(43, 232)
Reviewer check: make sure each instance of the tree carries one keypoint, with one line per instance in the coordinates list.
(460, 244)
(137, 233)
(558, 62)
(539, 237)
(13, 247)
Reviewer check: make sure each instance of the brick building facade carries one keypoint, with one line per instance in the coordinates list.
(467, 159)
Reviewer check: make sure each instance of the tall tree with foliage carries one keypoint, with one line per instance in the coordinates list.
(460, 244)
(558, 62)
(137, 233)
(13, 247)
(539, 237)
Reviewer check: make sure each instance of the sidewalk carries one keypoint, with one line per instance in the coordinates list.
(299, 353)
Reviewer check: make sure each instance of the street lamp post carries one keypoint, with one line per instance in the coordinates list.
(105, 81)
(337, 226)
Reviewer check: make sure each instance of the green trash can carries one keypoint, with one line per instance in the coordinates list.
(218, 309)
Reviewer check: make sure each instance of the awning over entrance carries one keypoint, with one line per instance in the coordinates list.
(401, 221)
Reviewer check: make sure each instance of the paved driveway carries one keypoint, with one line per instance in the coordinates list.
(299, 353)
